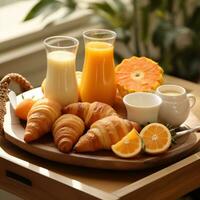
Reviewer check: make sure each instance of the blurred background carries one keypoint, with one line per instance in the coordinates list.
(165, 30)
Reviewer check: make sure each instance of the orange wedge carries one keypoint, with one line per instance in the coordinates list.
(138, 74)
(129, 146)
(156, 138)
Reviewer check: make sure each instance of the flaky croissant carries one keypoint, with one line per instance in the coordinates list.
(66, 131)
(41, 118)
(104, 133)
(90, 112)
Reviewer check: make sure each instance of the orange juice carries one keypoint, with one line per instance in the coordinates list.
(98, 81)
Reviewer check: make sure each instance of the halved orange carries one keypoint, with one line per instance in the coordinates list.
(129, 146)
(138, 74)
(156, 138)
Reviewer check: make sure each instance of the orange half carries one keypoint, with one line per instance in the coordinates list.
(138, 74)
(156, 138)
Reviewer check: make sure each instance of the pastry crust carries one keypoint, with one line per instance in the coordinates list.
(66, 131)
(104, 133)
(90, 112)
(41, 118)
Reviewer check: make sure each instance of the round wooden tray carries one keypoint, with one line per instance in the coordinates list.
(45, 147)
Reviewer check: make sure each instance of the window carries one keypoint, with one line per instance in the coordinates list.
(21, 48)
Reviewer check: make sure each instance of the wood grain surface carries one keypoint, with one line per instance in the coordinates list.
(46, 149)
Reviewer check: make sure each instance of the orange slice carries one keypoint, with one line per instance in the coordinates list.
(156, 138)
(129, 146)
(138, 74)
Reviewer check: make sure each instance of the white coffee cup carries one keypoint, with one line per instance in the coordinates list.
(142, 107)
(176, 104)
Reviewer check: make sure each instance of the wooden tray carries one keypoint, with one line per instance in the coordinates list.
(45, 147)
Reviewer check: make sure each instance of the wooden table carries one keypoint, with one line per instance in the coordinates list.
(31, 177)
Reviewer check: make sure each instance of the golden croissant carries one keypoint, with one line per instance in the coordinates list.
(41, 118)
(104, 133)
(90, 112)
(66, 131)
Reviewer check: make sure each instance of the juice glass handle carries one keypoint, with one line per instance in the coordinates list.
(192, 100)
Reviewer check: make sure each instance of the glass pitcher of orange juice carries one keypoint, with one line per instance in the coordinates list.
(98, 79)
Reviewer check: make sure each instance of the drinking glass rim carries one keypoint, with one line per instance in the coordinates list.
(76, 42)
(114, 34)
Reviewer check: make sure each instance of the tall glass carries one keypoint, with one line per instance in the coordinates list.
(98, 79)
(61, 84)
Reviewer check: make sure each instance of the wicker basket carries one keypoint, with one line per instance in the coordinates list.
(4, 89)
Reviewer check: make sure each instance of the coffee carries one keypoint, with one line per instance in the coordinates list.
(170, 93)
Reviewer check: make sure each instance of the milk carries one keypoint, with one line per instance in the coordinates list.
(61, 84)
(171, 93)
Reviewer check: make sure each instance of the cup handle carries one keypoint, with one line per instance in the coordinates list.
(192, 99)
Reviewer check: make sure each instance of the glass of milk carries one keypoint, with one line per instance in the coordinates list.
(61, 84)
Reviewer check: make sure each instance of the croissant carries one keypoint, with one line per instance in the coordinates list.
(41, 118)
(104, 133)
(90, 112)
(66, 131)
(79, 109)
